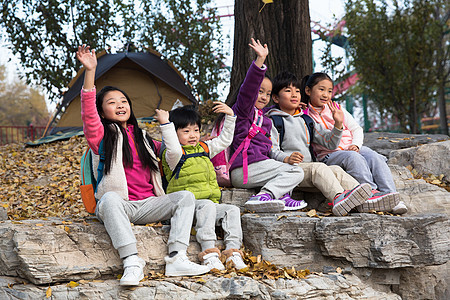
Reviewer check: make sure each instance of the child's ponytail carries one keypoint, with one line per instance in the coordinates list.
(305, 97)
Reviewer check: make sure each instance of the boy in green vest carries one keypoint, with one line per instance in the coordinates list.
(188, 167)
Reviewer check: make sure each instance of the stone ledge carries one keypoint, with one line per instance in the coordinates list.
(49, 251)
(331, 286)
(44, 252)
(363, 240)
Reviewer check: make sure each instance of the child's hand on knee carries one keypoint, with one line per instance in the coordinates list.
(294, 158)
(353, 148)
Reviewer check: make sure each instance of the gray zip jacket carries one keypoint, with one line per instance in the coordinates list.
(296, 136)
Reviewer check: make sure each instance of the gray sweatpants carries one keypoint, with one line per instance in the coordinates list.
(274, 177)
(366, 166)
(208, 215)
(117, 213)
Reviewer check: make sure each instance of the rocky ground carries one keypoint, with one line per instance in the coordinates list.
(50, 247)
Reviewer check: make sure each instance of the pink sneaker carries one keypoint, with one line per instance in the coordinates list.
(380, 201)
(291, 204)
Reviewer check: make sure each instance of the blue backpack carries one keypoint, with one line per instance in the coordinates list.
(279, 125)
(89, 184)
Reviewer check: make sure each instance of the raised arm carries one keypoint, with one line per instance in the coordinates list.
(261, 52)
(92, 126)
(173, 147)
(89, 60)
(225, 138)
(248, 92)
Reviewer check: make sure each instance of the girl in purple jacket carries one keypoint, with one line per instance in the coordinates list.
(251, 165)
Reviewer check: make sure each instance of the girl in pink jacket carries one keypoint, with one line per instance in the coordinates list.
(364, 164)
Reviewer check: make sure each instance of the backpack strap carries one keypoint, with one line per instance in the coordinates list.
(255, 128)
(310, 125)
(279, 125)
(101, 164)
(204, 146)
(184, 157)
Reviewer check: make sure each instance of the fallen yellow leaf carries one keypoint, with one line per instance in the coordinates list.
(281, 217)
(48, 292)
(73, 284)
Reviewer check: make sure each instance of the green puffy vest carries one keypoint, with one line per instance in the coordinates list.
(197, 175)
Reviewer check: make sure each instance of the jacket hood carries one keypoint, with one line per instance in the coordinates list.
(274, 111)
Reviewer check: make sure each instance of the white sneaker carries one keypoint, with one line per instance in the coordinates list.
(133, 270)
(400, 208)
(237, 260)
(212, 261)
(180, 265)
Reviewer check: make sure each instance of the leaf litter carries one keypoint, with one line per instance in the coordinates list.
(43, 182)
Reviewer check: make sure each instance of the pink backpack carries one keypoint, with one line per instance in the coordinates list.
(220, 161)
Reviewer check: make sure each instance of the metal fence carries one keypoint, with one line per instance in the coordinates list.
(20, 134)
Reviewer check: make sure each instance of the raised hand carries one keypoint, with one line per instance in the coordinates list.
(338, 114)
(221, 107)
(260, 50)
(162, 116)
(87, 57)
(302, 106)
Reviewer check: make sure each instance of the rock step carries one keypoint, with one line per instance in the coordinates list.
(330, 286)
(361, 240)
(46, 252)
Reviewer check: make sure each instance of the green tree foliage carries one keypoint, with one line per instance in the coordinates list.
(393, 48)
(21, 105)
(187, 32)
(45, 34)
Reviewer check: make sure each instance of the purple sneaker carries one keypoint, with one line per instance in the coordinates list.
(264, 203)
(380, 201)
(291, 204)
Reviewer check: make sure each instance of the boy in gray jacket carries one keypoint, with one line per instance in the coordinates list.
(342, 190)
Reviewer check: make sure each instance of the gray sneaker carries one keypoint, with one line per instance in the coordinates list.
(350, 199)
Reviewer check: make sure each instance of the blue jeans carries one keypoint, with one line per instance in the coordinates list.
(367, 166)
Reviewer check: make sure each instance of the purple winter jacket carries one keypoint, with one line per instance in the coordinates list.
(244, 108)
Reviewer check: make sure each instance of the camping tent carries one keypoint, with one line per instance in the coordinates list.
(149, 81)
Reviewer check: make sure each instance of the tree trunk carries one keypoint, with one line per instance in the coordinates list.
(284, 26)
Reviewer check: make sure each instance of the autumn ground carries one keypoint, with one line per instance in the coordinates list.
(43, 182)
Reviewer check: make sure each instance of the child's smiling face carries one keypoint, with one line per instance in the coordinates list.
(189, 135)
(288, 99)
(264, 93)
(320, 93)
(116, 107)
